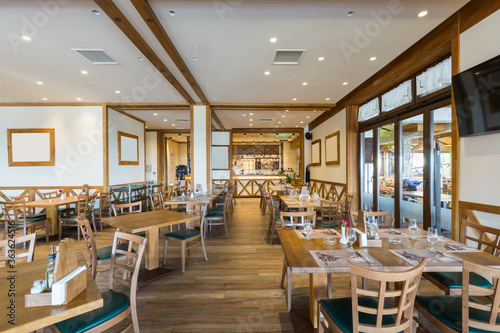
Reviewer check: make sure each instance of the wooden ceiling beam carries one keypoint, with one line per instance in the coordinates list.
(217, 120)
(148, 15)
(150, 106)
(271, 106)
(269, 130)
(133, 35)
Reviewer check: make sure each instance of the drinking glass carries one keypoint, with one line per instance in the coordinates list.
(432, 237)
(307, 228)
(413, 227)
(351, 237)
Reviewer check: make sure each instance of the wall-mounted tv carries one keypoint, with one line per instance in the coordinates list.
(477, 98)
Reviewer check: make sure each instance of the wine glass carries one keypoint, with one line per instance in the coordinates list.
(307, 228)
(351, 237)
(413, 227)
(432, 237)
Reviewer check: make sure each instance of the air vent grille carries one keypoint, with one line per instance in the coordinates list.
(182, 120)
(287, 57)
(96, 57)
(265, 120)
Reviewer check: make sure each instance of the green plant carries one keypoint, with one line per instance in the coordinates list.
(288, 178)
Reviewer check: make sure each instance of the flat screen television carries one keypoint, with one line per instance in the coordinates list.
(477, 98)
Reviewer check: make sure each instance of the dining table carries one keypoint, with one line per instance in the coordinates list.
(290, 201)
(314, 257)
(150, 222)
(50, 206)
(18, 318)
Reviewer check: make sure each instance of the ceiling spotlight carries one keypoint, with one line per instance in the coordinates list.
(44, 99)
(84, 72)
(244, 135)
(307, 116)
(164, 119)
(155, 114)
(297, 126)
(96, 12)
(179, 135)
(39, 82)
(328, 98)
(289, 137)
(304, 83)
(274, 141)
(140, 58)
(283, 116)
(301, 122)
(267, 73)
(273, 40)
(279, 122)
(253, 141)
(194, 59)
(276, 134)
(173, 124)
(251, 124)
(294, 99)
(261, 135)
(293, 134)
(287, 110)
(78, 99)
(117, 91)
(171, 13)
(314, 110)
(26, 38)
(251, 113)
(170, 138)
(321, 58)
(242, 141)
(373, 58)
(350, 13)
(422, 13)
(251, 119)
(345, 83)
(244, 114)
(276, 126)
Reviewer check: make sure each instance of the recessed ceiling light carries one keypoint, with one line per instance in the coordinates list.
(373, 58)
(171, 13)
(283, 116)
(273, 40)
(321, 58)
(155, 114)
(279, 122)
(96, 12)
(173, 124)
(301, 122)
(423, 13)
(39, 82)
(307, 117)
(294, 99)
(251, 119)
(194, 59)
(140, 58)
(253, 141)
(267, 73)
(287, 110)
(78, 99)
(345, 83)
(207, 84)
(304, 83)
(251, 124)
(328, 98)
(276, 126)
(251, 113)
(164, 119)
(261, 135)
(244, 135)
(44, 99)
(350, 13)
(244, 114)
(84, 72)
(179, 135)
(146, 126)
(214, 99)
(26, 38)
(297, 126)
(117, 91)
(314, 110)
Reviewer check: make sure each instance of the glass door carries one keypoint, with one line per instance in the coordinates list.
(367, 170)
(386, 170)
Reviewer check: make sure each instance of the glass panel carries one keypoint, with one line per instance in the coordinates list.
(412, 170)
(386, 168)
(441, 129)
(367, 169)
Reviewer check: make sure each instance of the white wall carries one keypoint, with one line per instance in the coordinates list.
(199, 165)
(480, 155)
(332, 173)
(152, 155)
(78, 145)
(123, 174)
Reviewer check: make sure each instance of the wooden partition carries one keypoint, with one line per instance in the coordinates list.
(323, 187)
(467, 212)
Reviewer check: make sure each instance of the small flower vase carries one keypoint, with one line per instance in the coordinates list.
(343, 239)
(63, 196)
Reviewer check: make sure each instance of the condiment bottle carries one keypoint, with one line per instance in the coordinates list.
(49, 272)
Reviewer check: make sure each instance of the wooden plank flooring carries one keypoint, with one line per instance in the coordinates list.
(236, 290)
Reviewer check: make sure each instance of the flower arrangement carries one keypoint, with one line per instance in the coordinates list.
(345, 223)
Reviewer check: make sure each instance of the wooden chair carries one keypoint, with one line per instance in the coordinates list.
(157, 202)
(84, 205)
(218, 217)
(291, 220)
(117, 306)
(353, 217)
(464, 313)
(16, 218)
(331, 213)
(31, 211)
(127, 209)
(273, 211)
(382, 218)
(6, 246)
(332, 196)
(188, 235)
(104, 209)
(348, 204)
(372, 310)
(64, 210)
(485, 239)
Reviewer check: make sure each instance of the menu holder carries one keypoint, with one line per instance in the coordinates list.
(73, 279)
(363, 241)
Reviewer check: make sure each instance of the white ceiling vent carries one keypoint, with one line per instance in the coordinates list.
(287, 57)
(265, 120)
(96, 57)
(182, 120)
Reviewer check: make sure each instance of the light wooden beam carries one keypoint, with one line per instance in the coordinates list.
(150, 106)
(272, 106)
(217, 120)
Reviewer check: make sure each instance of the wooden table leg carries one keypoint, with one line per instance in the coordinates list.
(51, 212)
(318, 289)
(151, 258)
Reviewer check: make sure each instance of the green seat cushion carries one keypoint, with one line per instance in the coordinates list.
(104, 253)
(334, 225)
(64, 209)
(36, 216)
(29, 221)
(217, 209)
(73, 216)
(340, 311)
(454, 279)
(104, 210)
(114, 304)
(141, 233)
(214, 215)
(179, 209)
(448, 310)
(183, 234)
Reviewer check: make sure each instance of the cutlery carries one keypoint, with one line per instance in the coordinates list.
(362, 255)
(450, 247)
(323, 259)
(445, 255)
(396, 232)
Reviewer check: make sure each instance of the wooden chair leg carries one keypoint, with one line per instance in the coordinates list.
(289, 288)
(60, 230)
(47, 231)
(203, 245)
(165, 252)
(183, 256)
(283, 273)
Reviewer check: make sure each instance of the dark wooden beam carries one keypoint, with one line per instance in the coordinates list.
(150, 106)
(217, 120)
(269, 130)
(271, 106)
(133, 35)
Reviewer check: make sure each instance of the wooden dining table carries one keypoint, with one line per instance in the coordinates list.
(299, 256)
(50, 206)
(150, 222)
(294, 202)
(17, 282)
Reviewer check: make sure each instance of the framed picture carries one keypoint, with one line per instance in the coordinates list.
(316, 153)
(128, 149)
(31, 146)
(332, 149)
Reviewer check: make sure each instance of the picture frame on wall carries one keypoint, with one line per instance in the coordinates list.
(316, 153)
(31, 147)
(332, 149)
(128, 149)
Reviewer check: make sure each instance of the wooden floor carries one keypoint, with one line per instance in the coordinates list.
(236, 290)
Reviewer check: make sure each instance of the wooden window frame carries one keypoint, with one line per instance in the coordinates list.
(132, 136)
(50, 162)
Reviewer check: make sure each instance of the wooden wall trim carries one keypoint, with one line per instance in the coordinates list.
(105, 146)
(149, 106)
(50, 104)
(470, 15)
(272, 106)
(128, 115)
(455, 143)
(352, 155)
(217, 120)
(144, 136)
(208, 146)
(492, 209)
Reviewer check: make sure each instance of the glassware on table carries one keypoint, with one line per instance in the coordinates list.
(307, 229)
(351, 237)
(413, 227)
(432, 237)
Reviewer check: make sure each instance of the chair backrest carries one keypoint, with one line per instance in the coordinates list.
(52, 194)
(331, 212)
(406, 284)
(6, 245)
(486, 238)
(382, 218)
(14, 212)
(128, 208)
(157, 202)
(88, 236)
(353, 217)
(291, 220)
(331, 196)
(348, 202)
(25, 197)
(85, 204)
(198, 209)
(492, 308)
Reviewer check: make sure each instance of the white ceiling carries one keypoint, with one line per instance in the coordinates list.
(230, 39)
(158, 121)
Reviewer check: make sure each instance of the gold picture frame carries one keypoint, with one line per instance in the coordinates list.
(316, 153)
(332, 149)
(31, 147)
(128, 149)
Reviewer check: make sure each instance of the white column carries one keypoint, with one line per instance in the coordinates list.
(201, 129)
